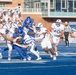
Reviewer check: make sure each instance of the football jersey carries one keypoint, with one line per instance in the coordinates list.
(27, 39)
(57, 29)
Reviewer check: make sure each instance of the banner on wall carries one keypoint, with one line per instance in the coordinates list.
(73, 27)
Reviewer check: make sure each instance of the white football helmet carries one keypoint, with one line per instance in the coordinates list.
(58, 21)
(39, 25)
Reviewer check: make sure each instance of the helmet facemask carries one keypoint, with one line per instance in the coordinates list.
(38, 29)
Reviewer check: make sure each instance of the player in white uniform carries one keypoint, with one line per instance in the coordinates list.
(8, 30)
(2, 30)
(43, 37)
(29, 40)
(57, 32)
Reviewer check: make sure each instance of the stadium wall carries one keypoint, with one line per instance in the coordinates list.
(37, 18)
(46, 21)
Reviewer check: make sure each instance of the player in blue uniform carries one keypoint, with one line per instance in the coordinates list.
(21, 50)
(29, 26)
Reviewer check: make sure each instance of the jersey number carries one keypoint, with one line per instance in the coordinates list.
(57, 31)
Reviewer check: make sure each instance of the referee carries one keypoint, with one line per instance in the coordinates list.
(67, 30)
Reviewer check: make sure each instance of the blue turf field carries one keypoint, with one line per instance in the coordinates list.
(64, 65)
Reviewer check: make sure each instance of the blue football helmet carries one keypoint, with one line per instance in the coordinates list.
(20, 32)
(28, 20)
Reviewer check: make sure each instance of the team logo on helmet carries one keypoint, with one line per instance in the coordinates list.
(20, 32)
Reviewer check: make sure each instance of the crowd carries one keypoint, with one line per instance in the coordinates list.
(10, 15)
(26, 34)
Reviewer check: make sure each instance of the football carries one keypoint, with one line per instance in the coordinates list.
(72, 35)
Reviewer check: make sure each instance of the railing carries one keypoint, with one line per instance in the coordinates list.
(32, 10)
(59, 14)
(44, 0)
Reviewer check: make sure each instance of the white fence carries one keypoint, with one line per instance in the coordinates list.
(31, 10)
